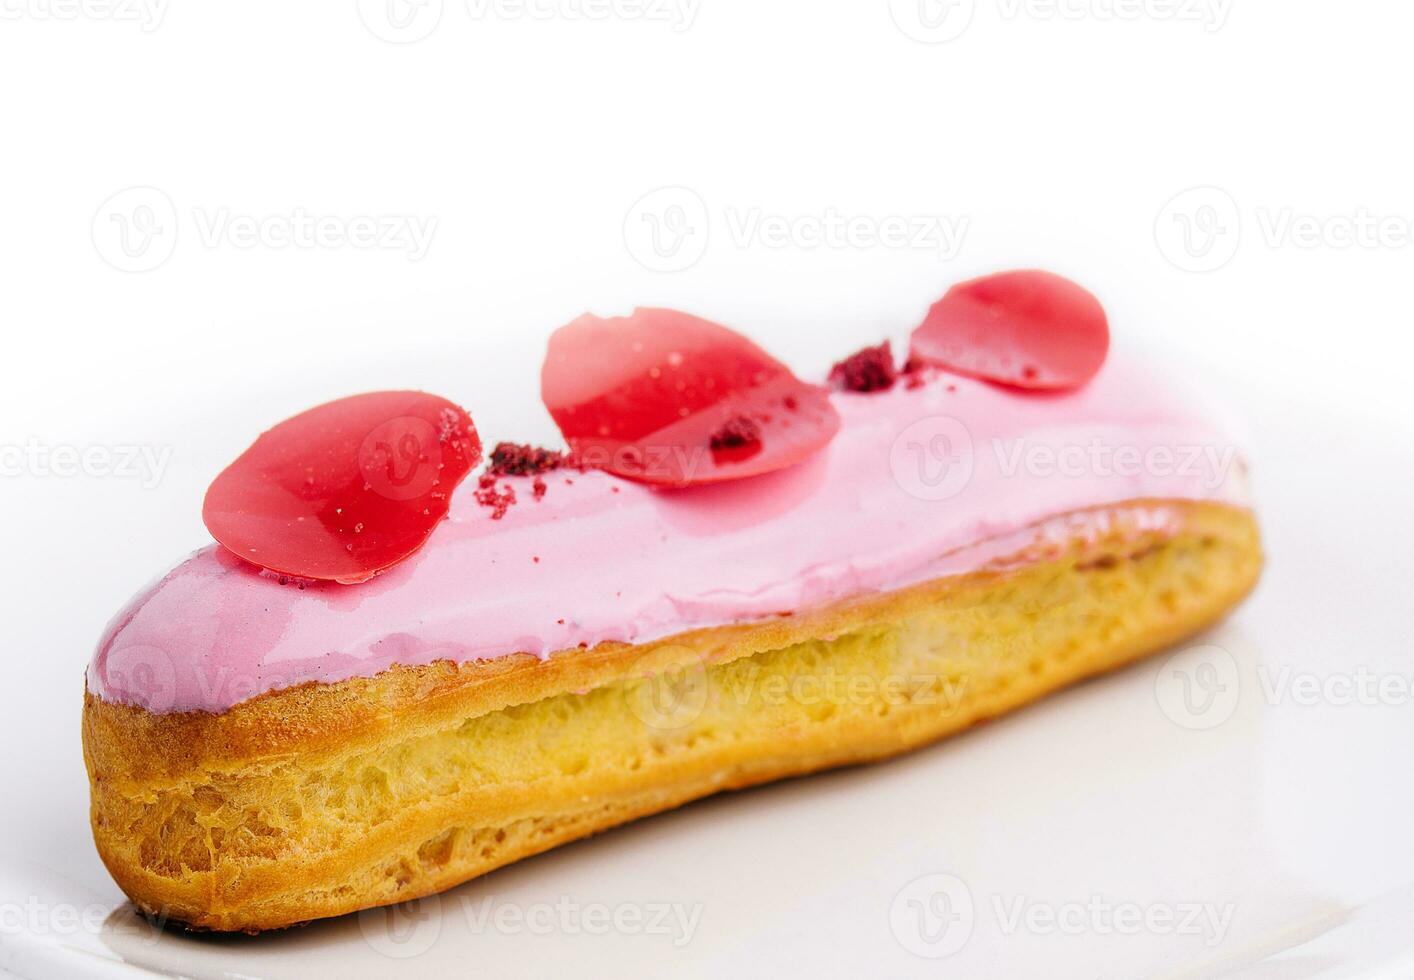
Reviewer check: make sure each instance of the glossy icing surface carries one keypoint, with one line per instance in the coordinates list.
(936, 476)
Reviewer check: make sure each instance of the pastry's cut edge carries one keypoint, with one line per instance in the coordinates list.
(324, 799)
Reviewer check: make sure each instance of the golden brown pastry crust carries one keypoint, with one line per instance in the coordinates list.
(327, 798)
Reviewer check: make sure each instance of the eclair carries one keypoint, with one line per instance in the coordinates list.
(280, 730)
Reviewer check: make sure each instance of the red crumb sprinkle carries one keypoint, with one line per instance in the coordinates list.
(737, 432)
(871, 369)
(515, 459)
(535, 558)
(913, 371)
(499, 500)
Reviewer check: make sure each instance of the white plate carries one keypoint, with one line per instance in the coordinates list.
(1259, 832)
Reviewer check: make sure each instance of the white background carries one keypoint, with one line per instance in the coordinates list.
(1061, 139)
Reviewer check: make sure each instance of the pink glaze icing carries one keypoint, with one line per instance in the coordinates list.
(925, 480)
